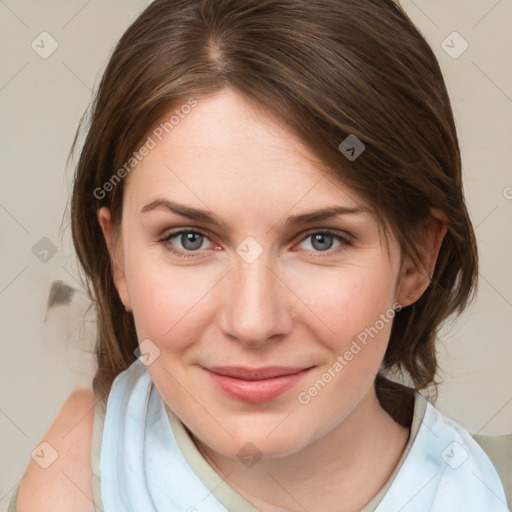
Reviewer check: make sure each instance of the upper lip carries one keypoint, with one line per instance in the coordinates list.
(247, 373)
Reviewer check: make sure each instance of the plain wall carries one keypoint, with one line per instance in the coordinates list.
(41, 102)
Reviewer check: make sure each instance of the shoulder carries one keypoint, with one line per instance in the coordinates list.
(59, 475)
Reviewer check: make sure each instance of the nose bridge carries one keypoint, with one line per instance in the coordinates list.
(256, 305)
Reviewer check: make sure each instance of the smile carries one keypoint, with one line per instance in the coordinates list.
(255, 385)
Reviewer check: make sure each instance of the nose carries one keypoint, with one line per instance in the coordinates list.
(257, 305)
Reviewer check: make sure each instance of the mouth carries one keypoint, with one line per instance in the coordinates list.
(255, 385)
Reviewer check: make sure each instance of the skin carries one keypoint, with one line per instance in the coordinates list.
(298, 304)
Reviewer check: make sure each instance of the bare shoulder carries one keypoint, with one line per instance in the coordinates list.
(59, 475)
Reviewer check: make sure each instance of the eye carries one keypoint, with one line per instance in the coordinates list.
(190, 240)
(322, 241)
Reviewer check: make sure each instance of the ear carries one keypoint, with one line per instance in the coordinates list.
(116, 256)
(416, 275)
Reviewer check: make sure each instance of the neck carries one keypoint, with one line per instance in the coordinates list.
(367, 446)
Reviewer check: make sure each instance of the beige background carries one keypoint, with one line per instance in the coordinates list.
(41, 102)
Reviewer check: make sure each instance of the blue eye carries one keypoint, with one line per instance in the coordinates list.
(191, 241)
(323, 240)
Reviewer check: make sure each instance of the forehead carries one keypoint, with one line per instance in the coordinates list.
(229, 153)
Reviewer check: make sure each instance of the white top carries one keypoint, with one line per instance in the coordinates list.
(143, 468)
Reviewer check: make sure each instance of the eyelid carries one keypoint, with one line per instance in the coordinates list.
(333, 231)
(179, 231)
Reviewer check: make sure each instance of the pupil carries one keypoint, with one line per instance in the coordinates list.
(189, 239)
(321, 239)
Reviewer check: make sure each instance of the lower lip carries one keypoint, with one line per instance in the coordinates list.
(257, 391)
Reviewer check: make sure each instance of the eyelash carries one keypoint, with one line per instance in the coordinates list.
(344, 239)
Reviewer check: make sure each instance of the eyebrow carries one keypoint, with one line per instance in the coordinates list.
(211, 218)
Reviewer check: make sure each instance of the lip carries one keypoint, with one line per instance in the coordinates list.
(255, 385)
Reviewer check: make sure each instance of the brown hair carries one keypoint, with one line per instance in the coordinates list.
(327, 69)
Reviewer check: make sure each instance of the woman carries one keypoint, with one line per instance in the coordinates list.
(269, 210)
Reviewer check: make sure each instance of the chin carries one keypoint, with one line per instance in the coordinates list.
(262, 440)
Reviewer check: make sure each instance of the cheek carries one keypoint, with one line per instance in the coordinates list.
(356, 312)
(168, 303)
(348, 300)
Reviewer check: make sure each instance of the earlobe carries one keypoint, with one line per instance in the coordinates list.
(116, 259)
(417, 274)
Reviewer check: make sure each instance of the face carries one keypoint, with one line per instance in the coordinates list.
(253, 288)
